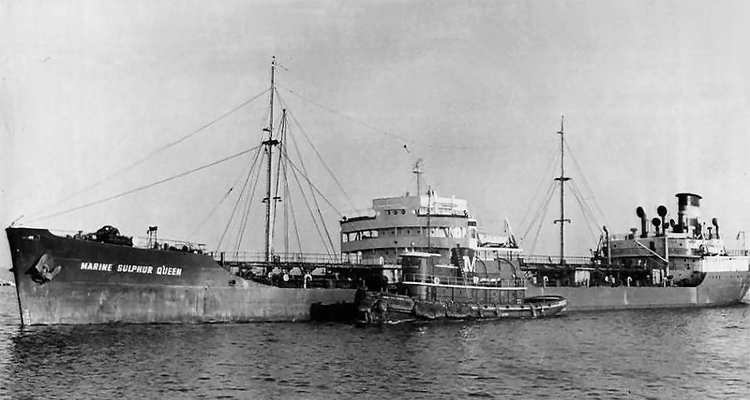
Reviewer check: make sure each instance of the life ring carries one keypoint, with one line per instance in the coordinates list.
(436, 280)
(703, 249)
(285, 277)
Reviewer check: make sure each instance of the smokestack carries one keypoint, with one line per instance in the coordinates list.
(644, 225)
(688, 212)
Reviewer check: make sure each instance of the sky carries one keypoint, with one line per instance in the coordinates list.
(655, 94)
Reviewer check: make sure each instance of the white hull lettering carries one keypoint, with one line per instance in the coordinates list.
(88, 266)
(131, 269)
(164, 270)
(137, 269)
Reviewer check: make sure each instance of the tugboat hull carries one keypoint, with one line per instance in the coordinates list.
(380, 308)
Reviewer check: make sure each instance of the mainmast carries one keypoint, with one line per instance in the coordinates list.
(562, 180)
(269, 143)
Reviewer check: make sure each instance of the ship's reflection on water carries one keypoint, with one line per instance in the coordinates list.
(681, 353)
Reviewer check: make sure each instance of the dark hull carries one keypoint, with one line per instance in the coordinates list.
(379, 308)
(717, 289)
(104, 283)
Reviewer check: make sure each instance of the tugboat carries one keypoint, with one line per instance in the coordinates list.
(429, 290)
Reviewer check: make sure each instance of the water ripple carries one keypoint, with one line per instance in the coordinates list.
(644, 354)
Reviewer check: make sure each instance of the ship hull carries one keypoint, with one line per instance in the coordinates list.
(717, 289)
(68, 281)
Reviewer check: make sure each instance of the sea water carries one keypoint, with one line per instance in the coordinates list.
(643, 354)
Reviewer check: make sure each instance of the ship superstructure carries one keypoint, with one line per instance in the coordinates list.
(674, 253)
(421, 223)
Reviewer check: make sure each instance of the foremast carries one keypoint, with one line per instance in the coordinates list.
(269, 144)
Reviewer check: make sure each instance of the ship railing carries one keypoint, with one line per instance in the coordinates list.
(476, 281)
(280, 258)
(141, 242)
(630, 236)
(374, 261)
(169, 244)
(67, 233)
(555, 260)
(738, 253)
(442, 213)
(380, 261)
(622, 236)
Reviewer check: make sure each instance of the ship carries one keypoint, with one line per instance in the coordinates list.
(681, 263)
(104, 277)
(429, 290)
